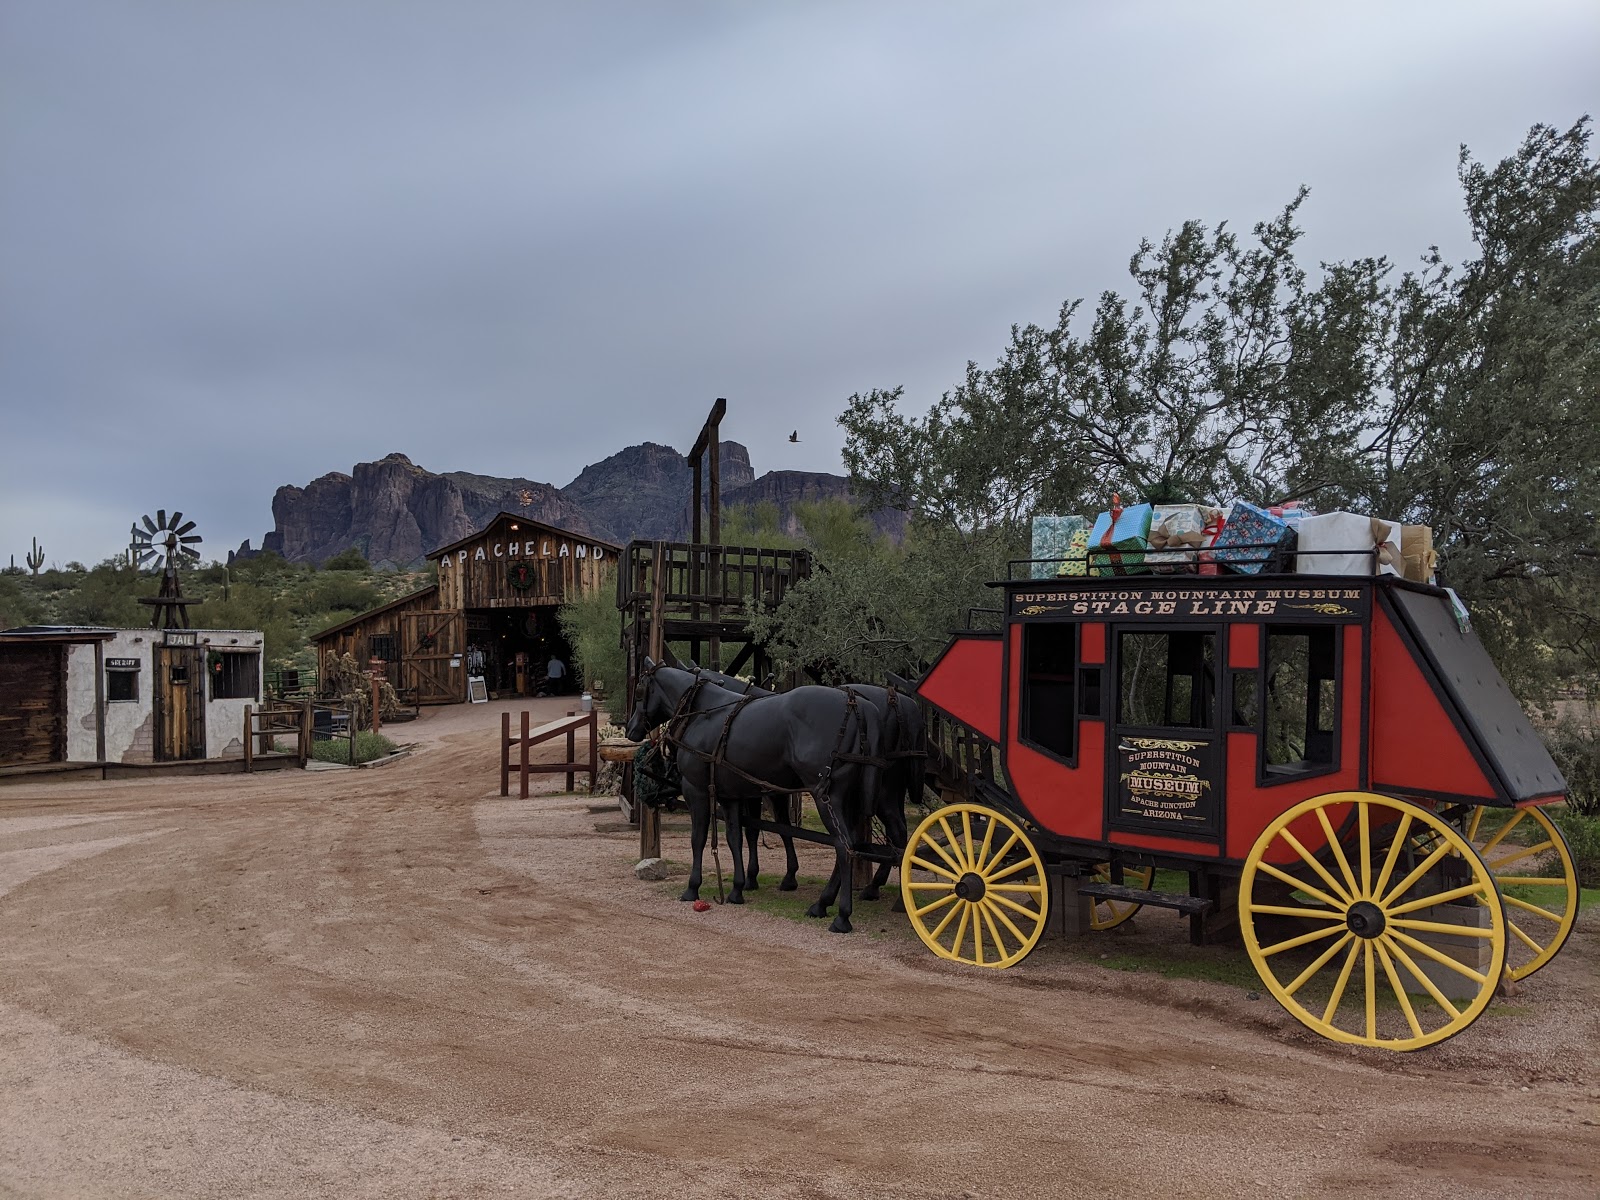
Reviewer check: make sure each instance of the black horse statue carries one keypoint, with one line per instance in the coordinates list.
(899, 782)
(733, 749)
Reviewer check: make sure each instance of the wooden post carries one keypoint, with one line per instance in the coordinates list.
(249, 740)
(524, 792)
(594, 748)
(649, 831)
(377, 700)
(505, 754)
(307, 731)
(658, 602)
(572, 755)
(350, 731)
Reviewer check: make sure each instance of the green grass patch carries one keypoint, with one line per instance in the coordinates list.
(369, 746)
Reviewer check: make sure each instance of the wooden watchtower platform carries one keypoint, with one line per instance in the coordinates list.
(693, 597)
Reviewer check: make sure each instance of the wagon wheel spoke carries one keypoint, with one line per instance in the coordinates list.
(1394, 929)
(1108, 914)
(1533, 866)
(984, 891)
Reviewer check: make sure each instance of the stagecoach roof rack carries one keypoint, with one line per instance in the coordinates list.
(1269, 554)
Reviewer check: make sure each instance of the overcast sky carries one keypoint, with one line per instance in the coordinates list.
(244, 244)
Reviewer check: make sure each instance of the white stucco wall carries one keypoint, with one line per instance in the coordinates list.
(130, 725)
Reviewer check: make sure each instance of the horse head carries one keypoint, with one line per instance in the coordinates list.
(654, 697)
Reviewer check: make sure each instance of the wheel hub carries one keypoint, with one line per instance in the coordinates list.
(970, 887)
(1365, 919)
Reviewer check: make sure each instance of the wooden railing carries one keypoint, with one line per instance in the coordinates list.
(569, 725)
(265, 723)
(725, 576)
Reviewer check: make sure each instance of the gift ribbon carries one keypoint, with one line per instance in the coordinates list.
(1388, 555)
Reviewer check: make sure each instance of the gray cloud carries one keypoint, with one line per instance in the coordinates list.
(244, 244)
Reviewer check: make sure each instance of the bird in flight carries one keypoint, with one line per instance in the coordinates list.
(795, 436)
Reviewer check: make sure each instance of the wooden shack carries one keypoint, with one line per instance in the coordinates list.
(492, 613)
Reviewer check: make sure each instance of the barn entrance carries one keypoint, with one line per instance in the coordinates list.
(515, 645)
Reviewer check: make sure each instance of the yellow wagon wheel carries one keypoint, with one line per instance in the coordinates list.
(1532, 864)
(1108, 914)
(1395, 937)
(975, 886)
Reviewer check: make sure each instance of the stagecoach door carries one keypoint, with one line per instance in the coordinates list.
(1166, 765)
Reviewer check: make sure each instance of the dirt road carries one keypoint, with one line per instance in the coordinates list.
(393, 982)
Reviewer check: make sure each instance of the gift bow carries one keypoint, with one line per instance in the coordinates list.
(1116, 515)
(1388, 552)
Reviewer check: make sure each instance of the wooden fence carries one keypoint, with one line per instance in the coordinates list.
(569, 725)
(265, 723)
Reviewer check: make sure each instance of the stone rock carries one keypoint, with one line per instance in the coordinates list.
(395, 512)
(651, 869)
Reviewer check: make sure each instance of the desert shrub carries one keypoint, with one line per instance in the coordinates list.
(1583, 837)
(349, 559)
(593, 628)
(1575, 745)
(369, 746)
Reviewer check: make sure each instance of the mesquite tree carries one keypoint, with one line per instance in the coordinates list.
(1465, 396)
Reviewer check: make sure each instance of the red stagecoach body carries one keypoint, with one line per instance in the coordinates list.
(1396, 696)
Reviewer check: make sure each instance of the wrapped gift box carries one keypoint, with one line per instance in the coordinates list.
(1346, 543)
(1417, 553)
(1253, 540)
(1120, 539)
(1064, 542)
(1178, 532)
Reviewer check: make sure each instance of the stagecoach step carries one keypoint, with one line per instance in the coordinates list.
(1189, 906)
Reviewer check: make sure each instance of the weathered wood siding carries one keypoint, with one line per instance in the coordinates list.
(355, 637)
(33, 705)
(477, 573)
(180, 703)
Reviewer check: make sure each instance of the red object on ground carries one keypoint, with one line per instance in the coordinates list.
(702, 906)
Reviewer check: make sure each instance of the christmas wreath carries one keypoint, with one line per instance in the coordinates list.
(521, 575)
(426, 640)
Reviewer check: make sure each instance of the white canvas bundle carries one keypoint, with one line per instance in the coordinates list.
(1346, 542)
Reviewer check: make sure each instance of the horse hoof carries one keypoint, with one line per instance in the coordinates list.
(816, 910)
(752, 886)
(735, 898)
(789, 884)
(690, 894)
(841, 924)
(869, 894)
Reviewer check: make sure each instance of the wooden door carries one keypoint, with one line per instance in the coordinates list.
(180, 703)
(432, 653)
(33, 716)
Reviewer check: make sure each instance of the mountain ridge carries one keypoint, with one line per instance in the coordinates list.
(395, 512)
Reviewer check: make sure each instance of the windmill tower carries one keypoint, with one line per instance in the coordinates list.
(166, 544)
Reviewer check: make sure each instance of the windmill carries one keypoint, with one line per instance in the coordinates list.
(168, 545)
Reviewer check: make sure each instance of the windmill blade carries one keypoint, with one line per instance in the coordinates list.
(176, 517)
(146, 558)
(187, 525)
(188, 552)
(161, 518)
(148, 523)
(191, 539)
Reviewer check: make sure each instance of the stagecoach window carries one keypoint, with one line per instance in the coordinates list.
(235, 675)
(1301, 699)
(1049, 663)
(1168, 680)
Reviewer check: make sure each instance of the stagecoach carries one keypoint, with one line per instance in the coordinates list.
(1328, 766)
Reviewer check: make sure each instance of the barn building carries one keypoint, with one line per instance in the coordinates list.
(79, 694)
(492, 613)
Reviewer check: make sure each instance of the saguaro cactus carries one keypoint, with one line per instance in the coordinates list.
(36, 557)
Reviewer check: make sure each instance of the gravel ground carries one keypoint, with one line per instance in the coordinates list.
(393, 982)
